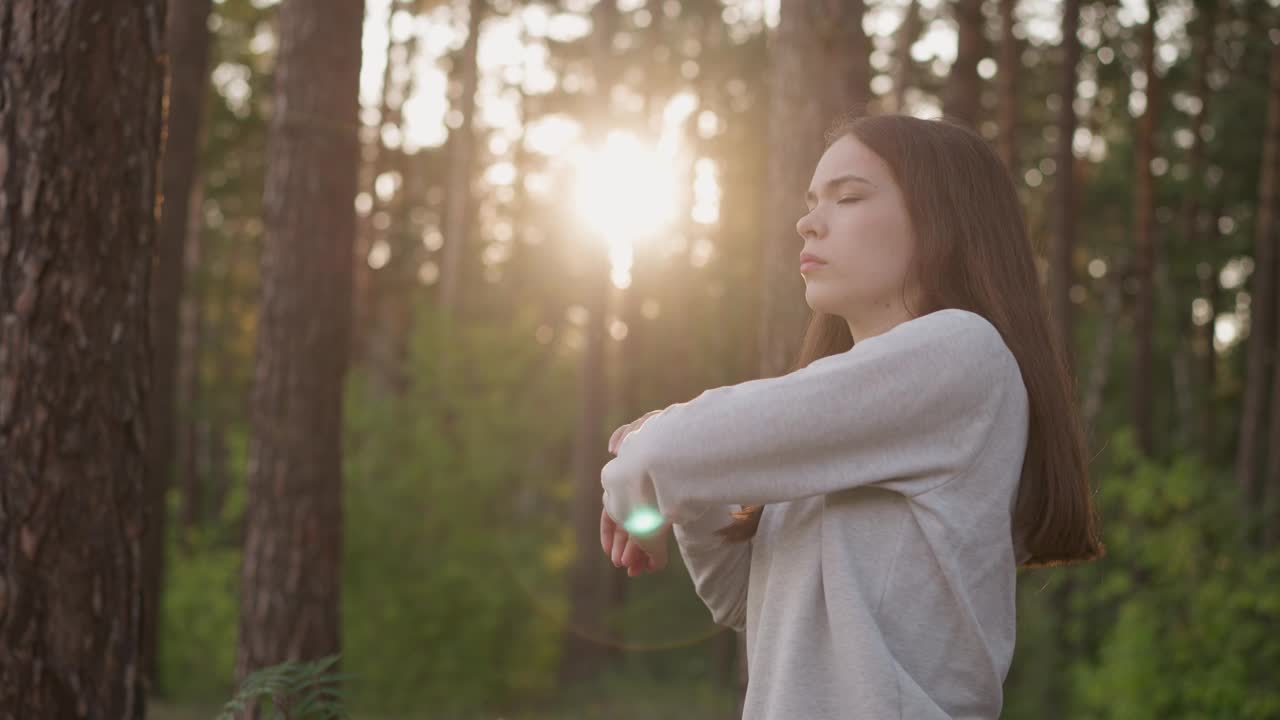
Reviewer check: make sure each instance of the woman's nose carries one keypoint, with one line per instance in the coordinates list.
(807, 226)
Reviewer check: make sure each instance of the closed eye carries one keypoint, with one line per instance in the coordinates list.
(848, 199)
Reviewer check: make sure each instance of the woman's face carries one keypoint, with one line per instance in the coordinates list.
(858, 225)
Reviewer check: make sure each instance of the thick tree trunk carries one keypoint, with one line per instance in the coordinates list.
(1144, 227)
(1253, 421)
(963, 97)
(188, 42)
(1010, 61)
(81, 93)
(461, 160)
(801, 108)
(291, 578)
(1064, 187)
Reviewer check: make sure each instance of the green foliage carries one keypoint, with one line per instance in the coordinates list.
(199, 614)
(296, 690)
(456, 499)
(1183, 609)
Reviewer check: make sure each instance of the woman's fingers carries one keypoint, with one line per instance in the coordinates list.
(632, 554)
(620, 543)
(607, 526)
(616, 437)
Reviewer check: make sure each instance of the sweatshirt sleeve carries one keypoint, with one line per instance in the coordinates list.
(905, 410)
(720, 570)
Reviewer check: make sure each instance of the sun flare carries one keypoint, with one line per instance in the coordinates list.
(625, 189)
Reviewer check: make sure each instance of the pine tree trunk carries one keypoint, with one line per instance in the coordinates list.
(907, 34)
(190, 345)
(368, 341)
(1195, 222)
(81, 95)
(1010, 54)
(963, 88)
(188, 42)
(461, 161)
(801, 108)
(1064, 187)
(291, 577)
(584, 655)
(1253, 420)
(1144, 255)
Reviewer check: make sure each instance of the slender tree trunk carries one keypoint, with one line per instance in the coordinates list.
(963, 97)
(1103, 344)
(1194, 221)
(1207, 274)
(188, 36)
(583, 654)
(1253, 421)
(1270, 489)
(291, 578)
(907, 34)
(1144, 227)
(1010, 56)
(368, 341)
(190, 343)
(1064, 188)
(81, 95)
(461, 161)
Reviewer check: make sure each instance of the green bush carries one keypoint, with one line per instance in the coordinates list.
(1185, 610)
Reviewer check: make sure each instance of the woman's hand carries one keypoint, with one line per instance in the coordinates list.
(616, 438)
(622, 549)
(625, 552)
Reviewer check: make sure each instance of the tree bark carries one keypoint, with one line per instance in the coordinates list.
(583, 655)
(1195, 224)
(1010, 55)
(81, 96)
(907, 34)
(1144, 225)
(963, 98)
(188, 40)
(367, 342)
(461, 160)
(1253, 421)
(1064, 188)
(291, 577)
(190, 343)
(801, 108)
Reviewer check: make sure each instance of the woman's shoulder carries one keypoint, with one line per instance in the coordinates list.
(951, 331)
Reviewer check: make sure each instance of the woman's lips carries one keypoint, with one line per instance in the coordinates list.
(810, 265)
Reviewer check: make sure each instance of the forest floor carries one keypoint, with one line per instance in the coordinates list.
(593, 704)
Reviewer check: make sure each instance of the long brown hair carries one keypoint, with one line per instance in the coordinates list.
(973, 253)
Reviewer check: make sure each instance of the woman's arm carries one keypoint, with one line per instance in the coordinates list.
(905, 410)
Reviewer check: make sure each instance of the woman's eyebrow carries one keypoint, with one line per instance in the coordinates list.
(809, 197)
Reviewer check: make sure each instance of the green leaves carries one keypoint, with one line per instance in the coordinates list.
(295, 690)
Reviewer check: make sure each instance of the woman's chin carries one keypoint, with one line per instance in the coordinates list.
(814, 299)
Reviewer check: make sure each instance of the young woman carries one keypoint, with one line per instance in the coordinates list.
(925, 446)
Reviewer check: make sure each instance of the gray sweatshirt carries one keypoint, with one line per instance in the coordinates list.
(880, 583)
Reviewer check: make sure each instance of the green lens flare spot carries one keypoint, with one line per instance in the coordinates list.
(643, 521)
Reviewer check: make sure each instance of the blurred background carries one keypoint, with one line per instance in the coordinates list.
(570, 213)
